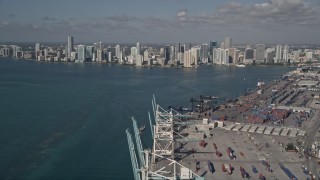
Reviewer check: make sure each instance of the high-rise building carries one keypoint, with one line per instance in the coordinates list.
(204, 55)
(146, 55)
(232, 54)
(212, 45)
(227, 42)
(134, 51)
(278, 57)
(81, 52)
(89, 52)
(285, 55)
(70, 46)
(260, 49)
(37, 50)
(187, 59)
(117, 51)
(248, 54)
(172, 53)
(138, 48)
(109, 57)
(100, 55)
(166, 54)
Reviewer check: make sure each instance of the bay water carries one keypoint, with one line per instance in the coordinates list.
(68, 120)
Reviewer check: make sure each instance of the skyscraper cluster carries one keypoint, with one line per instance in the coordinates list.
(178, 54)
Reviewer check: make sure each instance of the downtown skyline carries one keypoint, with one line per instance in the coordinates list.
(155, 21)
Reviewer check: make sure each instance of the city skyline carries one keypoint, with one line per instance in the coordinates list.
(152, 21)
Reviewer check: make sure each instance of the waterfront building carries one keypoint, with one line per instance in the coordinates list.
(117, 51)
(236, 56)
(204, 55)
(100, 55)
(5, 51)
(37, 50)
(232, 55)
(212, 45)
(139, 60)
(121, 57)
(81, 53)
(286, 53)
(180, 57)
(187, 59)
(270, 53)
(227, 42)
(248, 55)
(172, 53)
(260, 51)
(226, 57)
(166, 55)
(70, 46)
(195, 55)
(278, 57)
(110, 56)
(16, 51)
(89, 52)
(73, 56)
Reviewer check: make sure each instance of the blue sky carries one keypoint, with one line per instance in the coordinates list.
(163, 21)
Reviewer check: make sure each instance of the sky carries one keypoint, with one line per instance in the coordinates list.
(161, 21)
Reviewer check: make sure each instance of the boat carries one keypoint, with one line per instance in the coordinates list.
(241, 65)
(141, 129)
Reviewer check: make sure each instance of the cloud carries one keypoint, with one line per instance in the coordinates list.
(231, 18)
(11, 15)
(47, 18)
(271, 12)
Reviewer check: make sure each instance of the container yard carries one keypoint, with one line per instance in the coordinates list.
(265, 134)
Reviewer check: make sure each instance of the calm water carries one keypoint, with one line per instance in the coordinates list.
(68, 121)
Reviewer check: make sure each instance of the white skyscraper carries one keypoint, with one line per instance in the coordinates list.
(100, 55)
(285, 55)
(118, 52)
(278, 57)
(138, 48)
(134, 51)
(70, 46)
(120, 59)
(37, 50)
(187, 59)
(109, 56)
